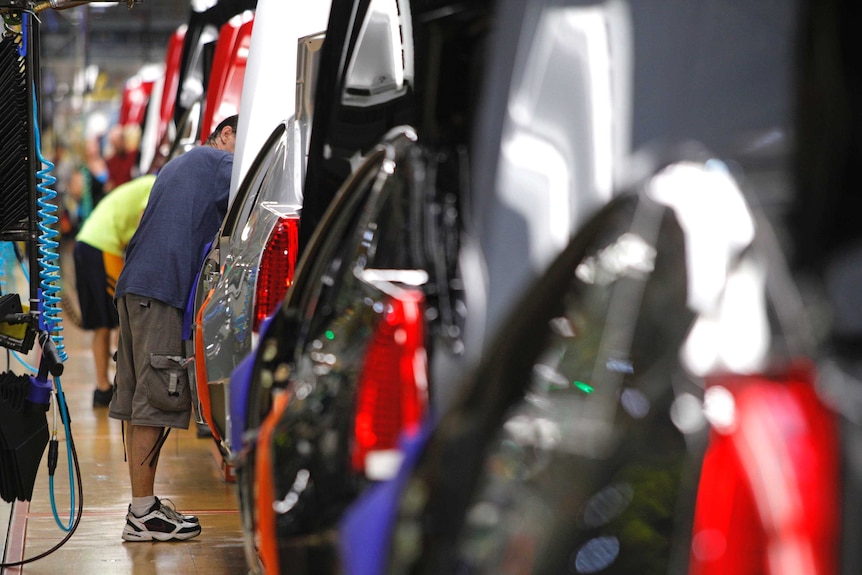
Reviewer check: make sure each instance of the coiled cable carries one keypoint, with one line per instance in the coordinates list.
(50, 326)
(50, 318)
(49, 268)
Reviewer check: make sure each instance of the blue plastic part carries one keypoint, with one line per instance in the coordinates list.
(240, 385)
(189, 311)
(25, 35)
(40, 391)
(366, 529)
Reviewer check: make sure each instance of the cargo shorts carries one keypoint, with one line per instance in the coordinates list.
(152, 382)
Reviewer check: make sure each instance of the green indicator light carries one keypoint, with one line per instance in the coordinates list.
(330, 335)
(583, 386)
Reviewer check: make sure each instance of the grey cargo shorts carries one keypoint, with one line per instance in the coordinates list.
(152, 382)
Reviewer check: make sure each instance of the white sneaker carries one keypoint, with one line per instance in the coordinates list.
(161, 523)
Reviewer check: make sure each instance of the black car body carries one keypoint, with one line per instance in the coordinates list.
(457, 214)
(588, 440)
(635, 414)
(377, 285)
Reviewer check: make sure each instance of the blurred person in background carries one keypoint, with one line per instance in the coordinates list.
(122, 155)
(99, 255)
(87, 183)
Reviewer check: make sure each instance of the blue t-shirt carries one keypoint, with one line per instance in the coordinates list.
(187, 204)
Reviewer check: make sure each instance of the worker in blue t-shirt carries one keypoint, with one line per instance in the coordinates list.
(187, 204)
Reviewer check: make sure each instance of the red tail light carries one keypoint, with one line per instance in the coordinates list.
(768, 496)
(392, 389)
(277, 266)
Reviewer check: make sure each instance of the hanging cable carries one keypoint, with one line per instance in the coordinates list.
(23, 361)
(50, 327)
(53, 446)
(49, 275)
(60, 400)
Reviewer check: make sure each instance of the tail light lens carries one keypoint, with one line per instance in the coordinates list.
(392, 390)
(277, 266)
(767, 501)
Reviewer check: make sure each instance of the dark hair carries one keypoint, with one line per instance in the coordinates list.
(231, 121)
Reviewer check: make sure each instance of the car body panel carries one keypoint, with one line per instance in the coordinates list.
(136, 94)
(205, 21)
(588, 438)
(160, 130)
(273, 73)
(229, 272)
(172, 77)
(318, 408)
(386, 228)
(271, 193)
(194, 68)
(347, 128)
(554, 139)
(228, 72)
(568, 110)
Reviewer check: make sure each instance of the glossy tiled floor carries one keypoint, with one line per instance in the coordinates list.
(188, 474)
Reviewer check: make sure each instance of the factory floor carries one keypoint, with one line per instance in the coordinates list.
(189, 474)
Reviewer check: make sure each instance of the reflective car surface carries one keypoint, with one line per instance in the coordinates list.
(360, 336)
(375, 289)
(159, 130)
(565, 436)
(205, 69)
(245, 274)
(634, 416)
(505, 168)
(252, 260)
(427, 180)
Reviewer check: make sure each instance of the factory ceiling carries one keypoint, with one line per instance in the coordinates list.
(108, 37)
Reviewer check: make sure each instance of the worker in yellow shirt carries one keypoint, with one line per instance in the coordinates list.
(99, 255)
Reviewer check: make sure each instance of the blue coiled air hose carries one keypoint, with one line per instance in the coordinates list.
(49, 268)
(49, 318)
